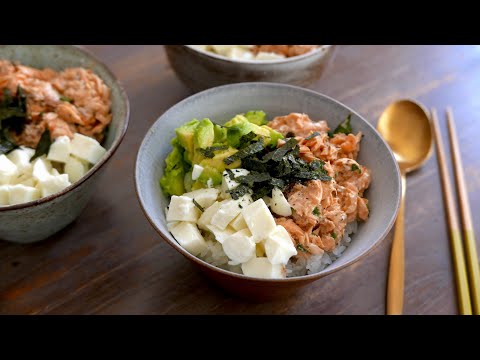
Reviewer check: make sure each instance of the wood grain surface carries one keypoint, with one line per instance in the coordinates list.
(111, 261)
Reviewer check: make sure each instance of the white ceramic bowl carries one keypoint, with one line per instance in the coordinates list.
(222, 103)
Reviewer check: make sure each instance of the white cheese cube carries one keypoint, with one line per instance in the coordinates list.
(20, 194)
(28, 181)
(279, 203)
(229, 209)
(239, 247)
(86, 148)
(222, 49)
(60, 149)
(196, 172)
(238, 53)
(172, 224)
(221, 234)
(238, 223)
(259, 220)
(206, 217)
(262, 55)
(53, 184)
(8, 170)
(279, 246)
(204, 197)
(42, 169)
(182, 208)
(262, 268)
(229, 184)
(4, 195)
(21, 157)
(75, 169)
(189, 237)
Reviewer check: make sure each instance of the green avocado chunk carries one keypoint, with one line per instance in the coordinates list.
(172, 181)
(257, 117)
(185, 135)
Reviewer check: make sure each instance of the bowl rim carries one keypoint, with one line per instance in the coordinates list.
(105, 157)
(214, 268)
(321, 48)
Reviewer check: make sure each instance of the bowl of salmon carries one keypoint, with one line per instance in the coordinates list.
(267, 187)
(62, 116)
(205, 66)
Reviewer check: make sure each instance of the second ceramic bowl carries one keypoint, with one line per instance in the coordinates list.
(201, 70)
(37, 220)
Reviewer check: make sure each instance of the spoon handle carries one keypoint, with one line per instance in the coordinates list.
(396, 271)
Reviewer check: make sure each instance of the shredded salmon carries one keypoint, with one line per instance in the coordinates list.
(322, 209)
(65, 102)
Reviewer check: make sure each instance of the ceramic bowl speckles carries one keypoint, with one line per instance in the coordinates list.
(201, 70)
(222, 103)
(37, 220)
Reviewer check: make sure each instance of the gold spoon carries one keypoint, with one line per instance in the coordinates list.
(405, 125)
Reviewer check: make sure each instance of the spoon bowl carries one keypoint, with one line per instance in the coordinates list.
(405, 125)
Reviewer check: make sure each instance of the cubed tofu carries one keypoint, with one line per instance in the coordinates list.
(196, 172)
(182, 208)
(189, 237)
(8, 171)
(229, 209)
(279, 246)
(20, 194)
(75, 169)
(240, 54)
(238, 223)
(53, 184)
(21, 158)
(60, 149)
(204, 197)
(206, 217)
(4, 195)
(229, 184)
(279, 203)
(239, 247)
(86, 148)
(262, 268)
(262, 55)
(42, 169)
(222, 49)
(221, 234)
(259, 220)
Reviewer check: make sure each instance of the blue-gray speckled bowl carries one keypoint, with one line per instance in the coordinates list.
(37, 220)
(222, 103)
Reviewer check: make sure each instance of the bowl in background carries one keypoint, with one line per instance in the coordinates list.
(37, 220)
(200, 70)
(221, 104)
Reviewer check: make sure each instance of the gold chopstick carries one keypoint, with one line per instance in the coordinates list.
(473, 267)
(463, 293)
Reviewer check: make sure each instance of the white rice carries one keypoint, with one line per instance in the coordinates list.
(215, 255)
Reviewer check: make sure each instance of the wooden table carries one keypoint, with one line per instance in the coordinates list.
(111, 261)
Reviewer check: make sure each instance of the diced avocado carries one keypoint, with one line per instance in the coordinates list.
(257, 117)
(237, 127)
(210, 173)
(204, 134)
(220, 134)
(185, 135)
(172, 181)
(214, 167)
(187, 181)
(274, 135)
